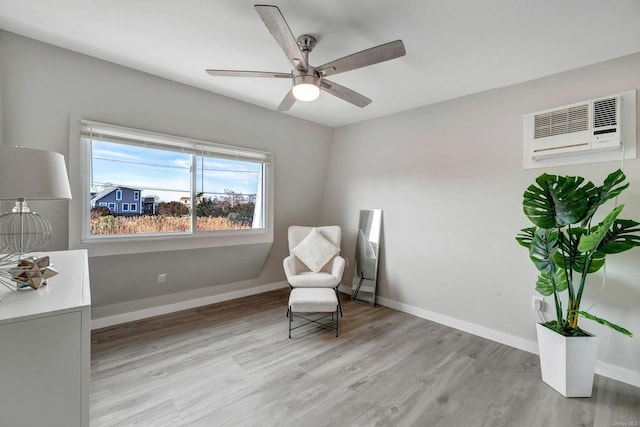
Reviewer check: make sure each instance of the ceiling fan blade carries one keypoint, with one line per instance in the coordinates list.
(287, 102)
(364, 58)
(234, 73)
(280, 31)
(345, 93)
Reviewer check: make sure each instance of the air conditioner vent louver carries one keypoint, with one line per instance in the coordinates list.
(589, 131)
(560, 122)
(604, 112)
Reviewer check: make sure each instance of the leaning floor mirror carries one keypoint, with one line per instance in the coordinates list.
(365, 269)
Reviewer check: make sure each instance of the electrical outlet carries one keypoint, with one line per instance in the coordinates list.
(162, 278)
(537, 303)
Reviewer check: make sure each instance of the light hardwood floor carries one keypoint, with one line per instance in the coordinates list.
(231, 364)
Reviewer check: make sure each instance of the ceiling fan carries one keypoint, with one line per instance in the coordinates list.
(307, 80)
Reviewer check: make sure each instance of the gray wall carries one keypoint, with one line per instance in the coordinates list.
(449, 178)
(42, 86)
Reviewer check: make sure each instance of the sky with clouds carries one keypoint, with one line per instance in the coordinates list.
(166, 173)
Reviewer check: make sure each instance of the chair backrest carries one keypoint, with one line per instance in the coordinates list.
(297, 233)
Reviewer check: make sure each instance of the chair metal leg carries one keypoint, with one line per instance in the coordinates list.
(290, 289)
(338, 296)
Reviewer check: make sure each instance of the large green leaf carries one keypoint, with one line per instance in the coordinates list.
(597, 262)
(611, 188)
(620, 237)
(557, 201)
(525, 236)
(548, 282)
(568, 248)
(543, 248)
(568, 255)
(589, 242)
(613, 326)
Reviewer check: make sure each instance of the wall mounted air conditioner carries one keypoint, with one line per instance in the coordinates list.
(580, 130)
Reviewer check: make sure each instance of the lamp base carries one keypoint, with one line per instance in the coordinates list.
(23, 231)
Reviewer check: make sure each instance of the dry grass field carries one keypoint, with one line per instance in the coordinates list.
(158, 224)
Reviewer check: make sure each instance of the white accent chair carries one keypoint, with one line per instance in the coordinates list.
(329, 274)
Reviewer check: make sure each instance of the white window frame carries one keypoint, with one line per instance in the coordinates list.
(136, 195)
(125, 207)
(79, 161)
(112, 206)
(133, 207)
(118, 194)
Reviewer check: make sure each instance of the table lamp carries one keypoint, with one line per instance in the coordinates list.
(28, 174)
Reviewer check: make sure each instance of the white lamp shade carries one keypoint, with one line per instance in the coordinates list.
(32, 174)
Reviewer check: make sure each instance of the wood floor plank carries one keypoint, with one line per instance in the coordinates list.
(232, 364)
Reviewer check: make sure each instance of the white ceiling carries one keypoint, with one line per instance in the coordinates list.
(454, 47)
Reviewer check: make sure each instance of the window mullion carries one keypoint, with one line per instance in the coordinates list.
(193, 194)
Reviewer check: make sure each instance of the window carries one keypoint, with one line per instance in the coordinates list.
(189, 187)
(112, 207)
(103, 204)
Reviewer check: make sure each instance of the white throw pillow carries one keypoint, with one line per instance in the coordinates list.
(315, 251)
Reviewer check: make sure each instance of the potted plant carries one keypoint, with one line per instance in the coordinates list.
(565, 247)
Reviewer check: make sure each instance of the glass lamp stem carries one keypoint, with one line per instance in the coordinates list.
(21, 207)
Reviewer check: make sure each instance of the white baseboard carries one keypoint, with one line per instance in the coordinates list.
(472, 328)
(617, 373)
(180, 303)
(605, 369)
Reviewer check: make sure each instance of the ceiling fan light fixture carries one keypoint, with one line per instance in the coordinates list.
(306, 87)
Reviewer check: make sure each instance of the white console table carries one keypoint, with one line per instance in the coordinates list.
(45, 348)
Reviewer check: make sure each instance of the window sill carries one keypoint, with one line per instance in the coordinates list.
(142, 244)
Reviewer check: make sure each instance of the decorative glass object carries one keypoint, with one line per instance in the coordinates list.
(23, 231)
(32, 272)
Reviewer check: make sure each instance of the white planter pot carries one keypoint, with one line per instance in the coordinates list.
(568, 364)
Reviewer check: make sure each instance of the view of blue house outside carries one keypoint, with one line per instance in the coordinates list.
(137, 189)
